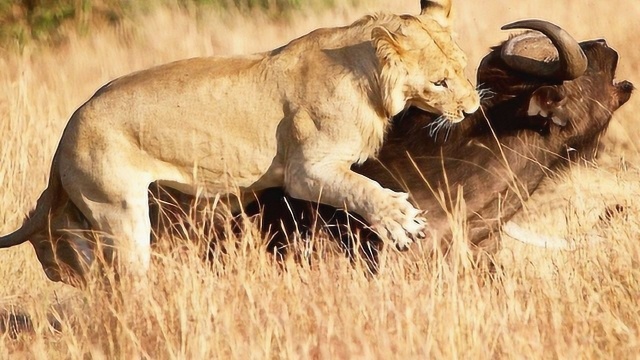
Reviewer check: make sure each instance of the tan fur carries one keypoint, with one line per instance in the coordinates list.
(297, 117)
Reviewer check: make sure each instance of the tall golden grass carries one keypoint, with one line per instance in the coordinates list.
(539, 304)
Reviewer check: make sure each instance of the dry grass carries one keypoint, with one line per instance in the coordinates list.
(544, 304)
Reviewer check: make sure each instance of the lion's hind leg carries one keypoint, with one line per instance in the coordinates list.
(66, 249)
(119, 217)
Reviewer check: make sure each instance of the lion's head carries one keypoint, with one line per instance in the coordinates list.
(423, 47)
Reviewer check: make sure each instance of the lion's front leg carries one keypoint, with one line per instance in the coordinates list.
(389, 213)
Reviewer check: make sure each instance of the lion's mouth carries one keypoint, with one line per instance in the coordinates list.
(423, 106)
(455, 118)
(446, 115)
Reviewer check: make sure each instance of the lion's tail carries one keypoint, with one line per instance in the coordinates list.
(38, 219)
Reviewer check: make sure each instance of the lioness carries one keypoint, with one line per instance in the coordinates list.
(298, 117)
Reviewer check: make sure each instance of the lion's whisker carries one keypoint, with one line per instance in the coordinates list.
(449, 126)
(484, 93)
(437, 125)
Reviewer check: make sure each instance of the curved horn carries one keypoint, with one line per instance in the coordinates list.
(571, 63)
(438, 9)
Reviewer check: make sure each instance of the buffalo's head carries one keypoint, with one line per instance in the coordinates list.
(567, 88)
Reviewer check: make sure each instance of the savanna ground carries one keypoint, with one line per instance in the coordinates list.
(539, 304)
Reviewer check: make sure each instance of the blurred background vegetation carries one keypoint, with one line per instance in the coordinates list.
(23, 21)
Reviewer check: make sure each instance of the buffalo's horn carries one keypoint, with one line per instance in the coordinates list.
(533, 58)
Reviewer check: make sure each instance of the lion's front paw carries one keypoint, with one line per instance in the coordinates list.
(402, 224)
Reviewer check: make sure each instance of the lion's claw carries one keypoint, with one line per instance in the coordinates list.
(403, 225)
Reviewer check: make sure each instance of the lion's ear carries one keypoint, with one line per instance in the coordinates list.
(387, 46)
(439, 10)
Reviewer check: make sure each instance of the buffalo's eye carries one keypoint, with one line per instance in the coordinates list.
(441, 83)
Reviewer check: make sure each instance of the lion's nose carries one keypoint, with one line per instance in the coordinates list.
(471, 109)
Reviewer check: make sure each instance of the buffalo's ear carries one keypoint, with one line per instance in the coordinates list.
(549, 101)
(387, 44)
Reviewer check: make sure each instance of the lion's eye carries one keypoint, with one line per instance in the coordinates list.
(442, 83)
